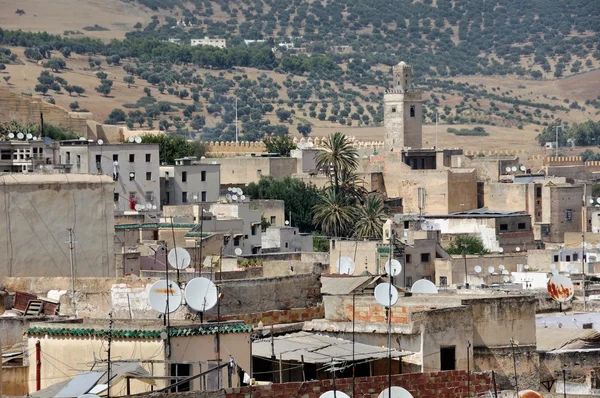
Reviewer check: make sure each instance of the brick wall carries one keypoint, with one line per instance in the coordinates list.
(450, 384)
(277, 316)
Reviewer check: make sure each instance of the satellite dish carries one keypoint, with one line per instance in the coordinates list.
(35, 138)
(11, 135)
(162, 296)
(396, 267)
(100, 142)
(598, 200)
(506, 278)
(522, 168)
(234, 197)
(597, 245)
(501, 267)
(514, 168)
(491, 269)
(477, 269)
(138, 207)
(130, 139)
(195, 197)
(132, 175)
(560, 288)
(424, 286)
(228, 189)
(201, 294)
(228, 197)
(500, 250)
(287, 222)
(179, 258)
(554, 271)
(530, 394)
(573, 271)
(592, 201)
(345, 265)
(20, 136)
(243, 197)
(382, 294)
(82, 139)
(148, 206)
(526, 266)
(518, 249)
(552, 266)
(138, 140)
(238, 251)
(334, 394)
(395, 392)
(154, 207)
(584, 244)
(507, 169)
(214, 162)
(29, 136)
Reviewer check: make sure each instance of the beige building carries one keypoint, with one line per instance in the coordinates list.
(133, 167)
(68, 348)
(240, 171)
(402, 111)
(36, 213)
(207, 41)
(272, 210)
(285, 239)
(189, 182)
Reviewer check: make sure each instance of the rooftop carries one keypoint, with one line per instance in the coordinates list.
(483, 212)
(67, 179)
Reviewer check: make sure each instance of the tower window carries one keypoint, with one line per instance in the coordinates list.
(394, 109)
(412, 111)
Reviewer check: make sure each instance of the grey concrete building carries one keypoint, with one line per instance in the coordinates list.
(17, 156)
(242, 170)
(402, 111)
(133, 167)
(35, 215)
(189, 182)
(249, 240)
(286, 239)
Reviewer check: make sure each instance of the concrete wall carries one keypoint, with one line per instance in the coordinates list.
(272, 210)
(558, 199)
(286, 239)
(454, 268)
(488, 169)
(241, 171)
(36, 211)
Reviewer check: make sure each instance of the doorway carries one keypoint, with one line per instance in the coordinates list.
(448, 358)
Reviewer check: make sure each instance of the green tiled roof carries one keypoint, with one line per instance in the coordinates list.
(140, 333)
(154, 225)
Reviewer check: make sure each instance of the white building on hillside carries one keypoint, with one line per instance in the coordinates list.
(207, 41)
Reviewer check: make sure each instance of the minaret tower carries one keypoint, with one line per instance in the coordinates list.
(402, 111)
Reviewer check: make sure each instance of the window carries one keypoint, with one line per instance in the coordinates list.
(115, 157)
(273, 220)
(567, 258)
(286, 245)
(6, 154)
(394, 109)
(203, 196)
(412, 111)
(556, 258)
(236, 241)
(575, 256)
(148, 175)
(131, 157)
(425, 257)
(503, 227)
(522, 225)
(569, 215)
(181, 371)
(184, 197)
(448, 358)
(408, 258)
(203, 175)
(538, 192)
(78, 161)
(98, 159)
(443, 281)
(131, 176)
(148, 157)
(116, 197)
(184, 176)
(68, 158)
(258, 172)
(406, 224)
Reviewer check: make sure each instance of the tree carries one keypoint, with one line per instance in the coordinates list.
(78, 90)
(299, 198)
(174, 146)
(2, 66)
(464, 245)
(370, 218)
(101, 75)
(118, 115)
(74, 105)
(333, 214)
(283, 114)
(148, 92)
(56, 64)
(281, 144)
(304, 129)
(129, 80)
(66, 52)
(41, 88)
(138, 25)
(104, 88)
(337, 155)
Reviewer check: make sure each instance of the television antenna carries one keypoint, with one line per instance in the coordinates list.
(477, 269)
(396, 267)
(100, 142)
(130, 139)
(424, 286)
(513, 169)
(238, 251)
(138, 140)
(507, 169)
(179, 258)
(386, 294)
(501, 267)
(518, 249)
(345, 266)
(138, 207)
(164, 297)
(11, 135)
(334, 394)
(20, 136)
(522, 168)
(560, 288)
(491, 269)
(29, 136)
(201, 294)
(395, 392)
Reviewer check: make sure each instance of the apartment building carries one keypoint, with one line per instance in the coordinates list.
(188, 182)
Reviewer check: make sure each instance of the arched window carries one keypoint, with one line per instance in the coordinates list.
(412, 111)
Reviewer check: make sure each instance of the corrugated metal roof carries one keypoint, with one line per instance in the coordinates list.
(550, 339)
(343, 285)
(316, 348)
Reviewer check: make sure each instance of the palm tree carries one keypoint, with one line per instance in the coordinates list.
(352, 186)
(333, 213)
(370, 218)
(339, 154)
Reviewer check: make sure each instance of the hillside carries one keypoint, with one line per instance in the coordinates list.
(476, 63)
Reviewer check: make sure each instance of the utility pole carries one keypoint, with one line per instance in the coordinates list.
(556, 149)
(236, 121)
(71, 259)
(436, 130)
(109, 367)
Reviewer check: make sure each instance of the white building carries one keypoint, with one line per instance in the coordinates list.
(133, 167)
(207, 41)
(286, 239)
(189, 182)
(26, 156)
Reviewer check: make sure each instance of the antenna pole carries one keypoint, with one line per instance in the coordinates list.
(556, 149)
(390, 315)
(436, 130)
(109, 367)
(71, 260)
(512, 345)
(353, 359)
(468, 370)
(236, 121)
